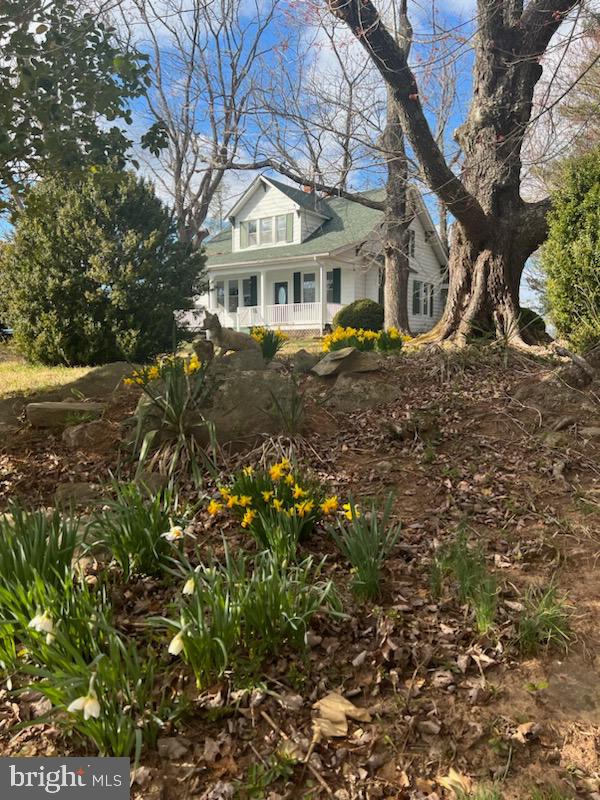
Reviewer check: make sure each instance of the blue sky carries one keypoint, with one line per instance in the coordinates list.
(456, 16)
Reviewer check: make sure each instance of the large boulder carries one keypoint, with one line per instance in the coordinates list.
(242, 405)
(97, 436)
(241, 360)
(303, 361)
(355, 392)
(348, 359)
(62, 413)
(245, 405)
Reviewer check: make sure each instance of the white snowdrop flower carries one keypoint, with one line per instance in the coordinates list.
(42, 623)
(176, 645)
(189, 587)
(87, 703)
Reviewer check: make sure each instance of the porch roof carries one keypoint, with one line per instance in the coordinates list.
(348, 223)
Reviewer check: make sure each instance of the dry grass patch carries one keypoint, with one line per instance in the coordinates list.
(19, 377)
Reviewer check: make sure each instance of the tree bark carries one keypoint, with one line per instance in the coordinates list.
(397, 220)
(496, 231)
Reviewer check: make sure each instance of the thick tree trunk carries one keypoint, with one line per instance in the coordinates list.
(496, 230)
(397, 220)
(483, 292)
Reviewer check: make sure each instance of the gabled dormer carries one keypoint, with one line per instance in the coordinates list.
(274, 214)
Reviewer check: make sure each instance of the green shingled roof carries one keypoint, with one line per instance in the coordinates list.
(348, 223)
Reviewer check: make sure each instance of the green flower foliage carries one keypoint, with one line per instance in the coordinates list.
(95, 271)
(571, 256)
(62, 73)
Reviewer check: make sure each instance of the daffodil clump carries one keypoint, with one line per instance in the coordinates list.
(391, 339)
(270, 341)
(263, 499)
(153, 372)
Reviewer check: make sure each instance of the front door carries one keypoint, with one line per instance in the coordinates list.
(281, 293)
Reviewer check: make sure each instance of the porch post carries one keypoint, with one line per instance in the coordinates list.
(323, 285)
(262, 290)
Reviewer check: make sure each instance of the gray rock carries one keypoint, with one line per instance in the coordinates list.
(97, 436)
(243, 406)
(241, 360)
(77, 493)
(354, 392)
(240, 407)
(303, 361)
(348, 359)
(62, 413)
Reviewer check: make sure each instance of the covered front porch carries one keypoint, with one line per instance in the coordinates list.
(302, 298)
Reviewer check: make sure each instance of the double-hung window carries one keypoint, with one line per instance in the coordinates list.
(267, 230)
(309, 288)
(412, 238)
(284, 228)
(423, 296)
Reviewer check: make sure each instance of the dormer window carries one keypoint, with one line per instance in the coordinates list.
(267, 231)
(284, 227)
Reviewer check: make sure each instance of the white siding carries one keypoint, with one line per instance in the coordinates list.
(265, 202)
(428, 270)
(372, 284)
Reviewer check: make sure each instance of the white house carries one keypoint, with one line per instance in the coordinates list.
(291, 259)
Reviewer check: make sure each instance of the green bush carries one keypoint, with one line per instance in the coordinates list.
(94, 272)
(532, 324)
(571, 256)
(366, 314)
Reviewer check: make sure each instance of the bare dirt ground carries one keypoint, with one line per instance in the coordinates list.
(484, 439)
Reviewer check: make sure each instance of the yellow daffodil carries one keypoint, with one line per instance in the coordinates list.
(289, 479)
(304, 508)
(350, 512)
(330, 505)
(276, 472)
(214, 507)
(248, 518)
(245, 501)
(153, 373)
(266, 496)
(248, 471)
(176, 645)
(128, 381)
(225, 493)
(298, 492)
(87, 703)
(193, 365)
(277, 504)
(232, 500)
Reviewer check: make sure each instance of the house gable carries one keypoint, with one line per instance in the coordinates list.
(269, 215)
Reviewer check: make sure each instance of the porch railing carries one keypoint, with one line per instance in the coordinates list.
(289, 315)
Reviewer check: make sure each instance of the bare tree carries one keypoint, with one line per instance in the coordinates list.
(496, 229)
(206, 66)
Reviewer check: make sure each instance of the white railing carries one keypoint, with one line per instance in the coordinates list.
(294, 314)
(249, 316)
(287, 315)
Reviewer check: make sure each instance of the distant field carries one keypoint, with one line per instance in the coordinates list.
(19, 378)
